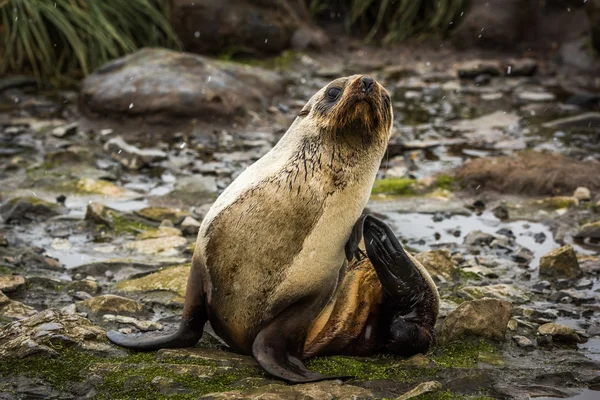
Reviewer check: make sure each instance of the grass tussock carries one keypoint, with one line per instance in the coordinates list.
(530, 173)
(52, 39)
(393, 20)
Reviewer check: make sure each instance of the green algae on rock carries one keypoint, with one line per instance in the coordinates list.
(171, 280)
(394, 186)
(560, 263)
(159, 214)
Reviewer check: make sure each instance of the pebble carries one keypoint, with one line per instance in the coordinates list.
(524, 342)
(582, 194)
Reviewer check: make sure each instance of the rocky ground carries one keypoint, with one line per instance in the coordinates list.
(492, 176)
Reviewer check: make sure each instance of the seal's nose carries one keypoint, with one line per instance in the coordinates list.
(367, 83)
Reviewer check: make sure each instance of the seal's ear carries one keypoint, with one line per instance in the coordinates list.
(305, 111)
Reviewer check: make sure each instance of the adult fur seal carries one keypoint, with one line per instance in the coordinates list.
(270, 269)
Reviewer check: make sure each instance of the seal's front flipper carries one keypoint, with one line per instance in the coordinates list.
(352, 248)
(279, 346)
(411, 300)
(190, 330)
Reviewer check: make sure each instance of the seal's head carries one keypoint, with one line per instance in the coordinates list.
(356, 107)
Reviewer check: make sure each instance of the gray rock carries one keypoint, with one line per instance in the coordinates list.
(65, 130)
(267, 26)
(524, 342)
(559, 333)
(421, 389)
(523, 255)
(560, 263)
(531, 97)
(143, 326)
(520, 67)
(164, 85)
(474, 68)
(478, 238)
(111, 304)
(307, 391)
(589, 231)
(42, 332)
(499, 291)
(13, 310)
(31, 208)
(587, 120)
(486, 318)
(582, 194)
(10, 283)
(130, 156)
(190, 226)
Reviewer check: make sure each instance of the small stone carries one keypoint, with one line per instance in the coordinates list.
(3, 240)
(524, 342)
(86, 285)
(560, 263)
(111, 304)
(582, 194)
(159, 214)
(530, 97)
(29, 208)
(168, 245)
(478, 238)
(96, 213)
(559, 333)
(11, 283)
(438, 262)
(81, 295)
(500, 291)
(486, 318)
(523, 255)
(421, 389)
(501, 212)
(471, 69)
(513, 324)
(520, 67)
(190, 226)
(542, 285)
(143, 326)
(130, 156)
(65, 130)
(589, 231)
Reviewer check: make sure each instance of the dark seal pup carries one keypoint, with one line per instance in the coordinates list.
(270, 269)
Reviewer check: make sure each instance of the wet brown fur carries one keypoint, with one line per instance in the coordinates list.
(286, 207)
(530, 173)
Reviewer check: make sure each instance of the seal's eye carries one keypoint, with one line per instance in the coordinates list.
(333, 93)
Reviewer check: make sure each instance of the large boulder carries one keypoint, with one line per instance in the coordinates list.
(593, 12)
(487, 318)
(243, 26)
(162, 85)
(495, 23)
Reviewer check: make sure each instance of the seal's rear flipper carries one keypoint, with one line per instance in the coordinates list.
(410, 296)
(280, 344)
(190, 330)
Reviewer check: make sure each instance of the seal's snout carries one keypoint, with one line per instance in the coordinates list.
(367, 84)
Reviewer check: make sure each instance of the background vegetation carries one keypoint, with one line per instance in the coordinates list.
(55, 39)
(392, 20)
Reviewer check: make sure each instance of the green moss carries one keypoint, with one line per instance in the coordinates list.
(126, 377)
(379, 368)
(59, 372)
(445, 182)
(239, 55)
(461, 354)
(394, 186)
(449, 395)
(127, 224)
